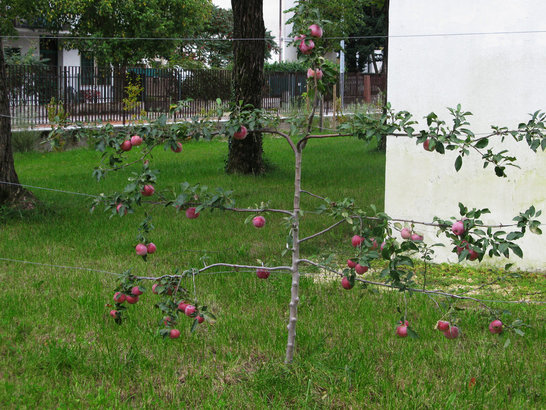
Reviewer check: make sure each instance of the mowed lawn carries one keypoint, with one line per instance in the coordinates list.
(59, 347)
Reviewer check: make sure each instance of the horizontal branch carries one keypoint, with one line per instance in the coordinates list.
(426, 292)
(281, 211)
(322, 232)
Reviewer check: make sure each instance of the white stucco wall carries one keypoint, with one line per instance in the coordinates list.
(500, 78)
(69, 58)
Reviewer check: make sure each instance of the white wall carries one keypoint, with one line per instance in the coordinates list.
(500, 78)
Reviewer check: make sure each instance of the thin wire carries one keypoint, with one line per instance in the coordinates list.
(284, 39)
(49, 189)
(60, 266)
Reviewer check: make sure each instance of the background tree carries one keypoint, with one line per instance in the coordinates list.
(246, 156)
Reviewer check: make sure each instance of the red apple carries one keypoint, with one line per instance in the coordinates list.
(374, 244)
(351, 264)
(182, 306)
(442, 325)
(241, 134)
(306, 48)
(452, 332)
(495, 327)
(357, 240)
(361, 269)
(346, 283)
(300, 37)
(141, 249)
(119, 297)
(402, 331)
(200, 319)
(114, 313)
(178, 148)
(262, 273)
(310, 73)
(190, 310)
(316, 30)
(136, 140)
(472, 255)
(405, 233)
(147, 190)
(415, 237)
(126, 145)
(131, 299)
(319, 74)
(135, 290)
(191, 214)
(118, 209)
(426, 145)
(258, 221)
(383, 244)
(174, 334)
(151, 248)
(457, 228)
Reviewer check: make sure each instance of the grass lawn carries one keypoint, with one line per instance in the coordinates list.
(59, 347)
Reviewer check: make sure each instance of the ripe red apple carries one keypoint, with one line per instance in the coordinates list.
(131, 299)
(182, 306)
(351, 264)
(383, 244)
(174, 334)
(190, 310)
(262, 273)
(114, 313)
(346, 283)
(258, 221)
(119, 297)
(310, 73)
(154, 288)
(200, 319)
(472, 255)
(402, 331)
(374, 244)
(415, 237)
(426, 145)
(306, 48)
(442, 325)
(452, 332)
(405, 233)
(191, 214)
(141, 249)
(118, 209)
(316, 30)
(300, 37)
(126, 145)
(136, 140)
(147, 190)
(136, 291)
(406, 323)
(319, 74)
(462, 248)
(151, 248)
(241, 134)
(357, 240)
(495, 327)
(361, 269)
(457, 228)
(178, 148)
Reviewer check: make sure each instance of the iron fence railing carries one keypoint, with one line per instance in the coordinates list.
(94, 94)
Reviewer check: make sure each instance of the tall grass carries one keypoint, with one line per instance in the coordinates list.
(59, 347)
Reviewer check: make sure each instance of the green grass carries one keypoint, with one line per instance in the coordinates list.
(59, 347)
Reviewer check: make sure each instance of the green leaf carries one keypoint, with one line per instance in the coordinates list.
(519, 332)
(458, 163)
(194, 325)
(482, 143)
(412, 333)
(507, 343)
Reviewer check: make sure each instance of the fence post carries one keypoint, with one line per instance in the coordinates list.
(367, 89)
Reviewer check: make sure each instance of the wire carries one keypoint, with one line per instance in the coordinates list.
(49, 189)
(283, 39)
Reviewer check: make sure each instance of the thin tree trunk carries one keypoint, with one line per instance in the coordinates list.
(384, 71)
(10, 193)
(246, 156)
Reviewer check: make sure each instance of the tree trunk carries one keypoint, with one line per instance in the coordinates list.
(245, 156)
(10, 192)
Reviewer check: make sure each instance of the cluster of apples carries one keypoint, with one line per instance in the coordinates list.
(307, 45)
(143, 250)
(131, 298)
(190, 311)
(134, 141)
(407, 233)
(458, 229)
(450, 331)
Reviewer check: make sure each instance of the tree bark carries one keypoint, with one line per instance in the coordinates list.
(10, 193)
(246, 156)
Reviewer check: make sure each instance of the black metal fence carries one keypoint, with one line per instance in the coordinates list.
(91, 94)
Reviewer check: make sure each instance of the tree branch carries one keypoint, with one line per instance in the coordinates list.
(323, 231)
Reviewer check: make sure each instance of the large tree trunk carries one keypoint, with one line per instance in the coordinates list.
(245, 156)
(10, 192)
